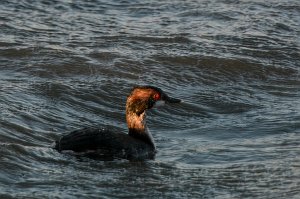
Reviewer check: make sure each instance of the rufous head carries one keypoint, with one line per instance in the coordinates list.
(142, 98)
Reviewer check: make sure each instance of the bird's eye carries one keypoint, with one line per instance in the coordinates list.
(156, 96)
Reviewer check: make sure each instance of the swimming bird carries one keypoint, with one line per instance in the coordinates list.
(138, 143)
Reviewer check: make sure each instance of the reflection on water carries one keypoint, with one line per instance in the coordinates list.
(70, 64)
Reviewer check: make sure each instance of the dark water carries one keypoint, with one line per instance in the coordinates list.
(69, 64)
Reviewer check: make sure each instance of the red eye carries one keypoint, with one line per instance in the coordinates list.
(156, 96)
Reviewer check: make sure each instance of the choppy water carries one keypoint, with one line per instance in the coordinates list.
(69, 64)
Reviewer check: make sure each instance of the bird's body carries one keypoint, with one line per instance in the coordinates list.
(106, 142)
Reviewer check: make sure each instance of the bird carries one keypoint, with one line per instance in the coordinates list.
(138, 143)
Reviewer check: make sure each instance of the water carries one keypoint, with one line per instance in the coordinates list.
(69, 64)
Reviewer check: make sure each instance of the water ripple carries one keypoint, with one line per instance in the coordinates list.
(70, 64)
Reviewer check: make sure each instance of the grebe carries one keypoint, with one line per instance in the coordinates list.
(138, 143)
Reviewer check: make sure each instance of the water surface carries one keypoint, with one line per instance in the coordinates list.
(69, 64)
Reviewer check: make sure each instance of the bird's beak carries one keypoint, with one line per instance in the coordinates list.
(168, 99)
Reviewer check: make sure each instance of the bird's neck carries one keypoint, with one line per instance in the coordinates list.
(137, 127)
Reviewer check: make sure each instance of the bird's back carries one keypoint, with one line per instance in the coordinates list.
(104, 140)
